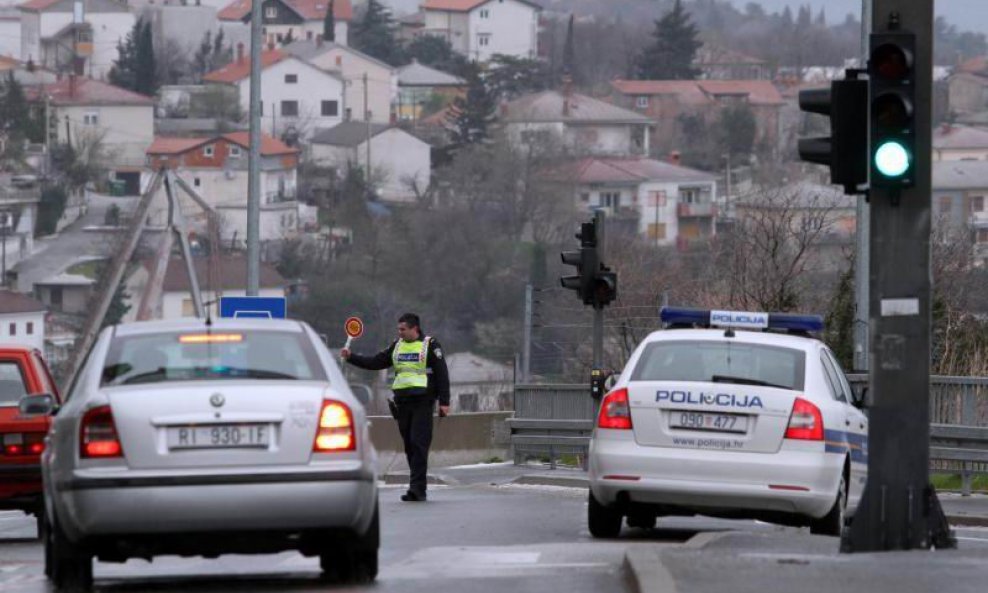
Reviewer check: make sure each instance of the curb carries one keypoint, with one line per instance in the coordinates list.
(648, 573)
(967, 521)
(542, 480)
(431, 479)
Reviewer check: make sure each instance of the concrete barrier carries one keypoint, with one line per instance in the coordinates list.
(456, 440)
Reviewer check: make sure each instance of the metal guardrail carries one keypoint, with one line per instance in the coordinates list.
(558, 419)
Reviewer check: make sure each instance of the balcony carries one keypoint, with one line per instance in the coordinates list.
(702, 210)
(979, 220)
(275, 197)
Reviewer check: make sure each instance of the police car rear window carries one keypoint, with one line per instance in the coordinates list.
(722, 362)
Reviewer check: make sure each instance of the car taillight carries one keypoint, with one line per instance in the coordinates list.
(29, 443)
(805, 422)
(615, 413)
(98, 434)
(335, 432)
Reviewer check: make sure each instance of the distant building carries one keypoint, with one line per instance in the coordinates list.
(720, 63)
(478, 384)
(967, 88)
(10, 32)
(22, 320)
(230, 276)
(18, 219)
(960, 199)
(421, 87)
(478, 29)
(290, 20)
(960, 143)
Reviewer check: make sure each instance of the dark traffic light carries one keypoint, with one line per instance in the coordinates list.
(845, 151)
(893, 118)
(594, 283)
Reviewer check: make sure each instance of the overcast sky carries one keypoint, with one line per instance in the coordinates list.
(968, 15)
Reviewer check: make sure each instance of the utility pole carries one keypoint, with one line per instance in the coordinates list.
(900, 509)
(598, 311)
(254, 158)
(6, 217)
(862, 255)
(47, 134)
(526, 346)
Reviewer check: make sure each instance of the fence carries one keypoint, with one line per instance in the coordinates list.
(552, 420)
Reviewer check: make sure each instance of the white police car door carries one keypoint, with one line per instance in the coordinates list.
(855, 429)
(715, 395)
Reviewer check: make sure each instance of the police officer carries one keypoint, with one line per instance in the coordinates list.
(421, 377)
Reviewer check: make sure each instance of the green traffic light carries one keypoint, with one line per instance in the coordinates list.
(892, 159)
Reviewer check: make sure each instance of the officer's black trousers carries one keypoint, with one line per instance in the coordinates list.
(415, 425)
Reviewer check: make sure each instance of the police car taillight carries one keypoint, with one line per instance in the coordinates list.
(615, 413)
(805, 422)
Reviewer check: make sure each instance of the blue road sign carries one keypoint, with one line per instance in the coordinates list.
(253, 307)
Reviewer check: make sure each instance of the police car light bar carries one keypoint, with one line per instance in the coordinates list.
(741, 319)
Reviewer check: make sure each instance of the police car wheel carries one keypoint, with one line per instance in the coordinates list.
(603, 521)
(833, 522)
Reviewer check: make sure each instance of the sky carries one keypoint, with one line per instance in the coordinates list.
(968, 15)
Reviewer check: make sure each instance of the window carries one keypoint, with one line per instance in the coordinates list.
(982, 236)
(55, 297)
(29, 328)
(90, 119)
(271, 12)
(833, 382)
(208, 151)
(657, 199)
(585, 197)
(977, 203)
(196, 182)
(656, 230)
(330, 108)
(236, 152)
(610, 199)
(485, 14)
(308, 35)
(681, 360)
(13, 329)
(945, 204)
(641, 102)
(689, 195)
(469, 402)
(289, 108)
(12, 384)
(484, 39)
(291, 79)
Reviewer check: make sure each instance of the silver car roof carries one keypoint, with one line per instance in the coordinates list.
(193, 324)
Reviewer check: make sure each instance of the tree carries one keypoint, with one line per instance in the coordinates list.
(213, 53)
(435, 51)
(50, 210)
(470, 115)
(329, 23)
(569, 52)
(673, 49)
(134, 68)
(840, 320)
(508, 77)
(375, 34)
(17, 123)
(738, 127)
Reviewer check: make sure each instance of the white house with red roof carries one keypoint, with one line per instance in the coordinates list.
(296, 97)
(666, 203)
(22, 320)
(50, 37)
(216, 168)
(478, 29)
(290, 20)
(82, 110)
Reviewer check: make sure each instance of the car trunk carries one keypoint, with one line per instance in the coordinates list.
(216, 423)
(722, 416)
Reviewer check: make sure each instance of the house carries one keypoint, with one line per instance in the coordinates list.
(582, 123)
(53, 38)
(967, 87)
(290, 20)
(230, 274)
(83, 111)
(423, 90)
(720, 63)
(478, 29)
(10, 32)
(26, 73)
(478, 384)
(410, 26)
(216, 168)
(296, 97)
(666, 203)
(22, 320)
(65, 292)
(668, 102)
(960, 143)
(960, 200)
(360, 72)
(18, 217)
(400, 163)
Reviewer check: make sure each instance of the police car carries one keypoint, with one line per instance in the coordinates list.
(729, 414)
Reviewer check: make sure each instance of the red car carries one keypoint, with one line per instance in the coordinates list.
(22, 438)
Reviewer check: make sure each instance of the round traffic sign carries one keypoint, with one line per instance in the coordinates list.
(354, 327)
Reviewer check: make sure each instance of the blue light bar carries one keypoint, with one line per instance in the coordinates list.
(741, 319)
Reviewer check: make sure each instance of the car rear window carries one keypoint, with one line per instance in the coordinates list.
(210, 356)
(723, 362)
(11, 382)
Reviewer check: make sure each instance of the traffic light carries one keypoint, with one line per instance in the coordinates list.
(604, 287)
(891, 71)
(845, 151)
(586, 262)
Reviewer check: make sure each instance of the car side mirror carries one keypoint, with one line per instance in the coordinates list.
(42, 404)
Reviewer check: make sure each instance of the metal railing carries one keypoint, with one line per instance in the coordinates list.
(551, 420)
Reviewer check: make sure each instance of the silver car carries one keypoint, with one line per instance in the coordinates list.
(200, 439)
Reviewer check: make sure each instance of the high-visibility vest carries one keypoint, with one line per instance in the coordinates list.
(410, 363)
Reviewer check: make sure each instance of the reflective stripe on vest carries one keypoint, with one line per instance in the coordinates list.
(410, 363)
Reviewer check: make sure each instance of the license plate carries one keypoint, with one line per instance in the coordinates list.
(219, 436)
(708, 421)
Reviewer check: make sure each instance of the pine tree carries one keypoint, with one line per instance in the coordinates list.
(134, 68)
(123, 69)
(375, 34)
(569, 52)
(674, 46)
(329, 23)
(470, 115)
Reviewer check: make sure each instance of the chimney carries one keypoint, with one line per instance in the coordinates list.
(567, 93)
(674, 158)
(240, 53)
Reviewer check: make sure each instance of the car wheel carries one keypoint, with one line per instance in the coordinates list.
(71, 566)
(602, 521)
(642, 521)
(833, 522)
(354, 562)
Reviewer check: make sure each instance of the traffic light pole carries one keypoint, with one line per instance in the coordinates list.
(598, 311)
(900, 509)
